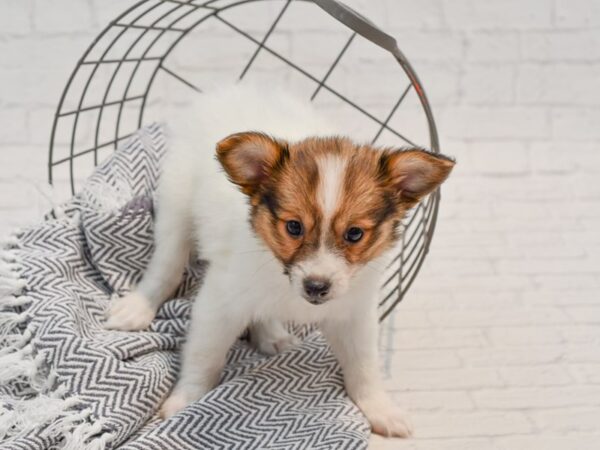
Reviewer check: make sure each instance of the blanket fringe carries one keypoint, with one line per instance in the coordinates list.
(45, 409)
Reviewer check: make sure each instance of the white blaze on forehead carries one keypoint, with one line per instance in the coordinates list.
(326, 262)
(332, 170)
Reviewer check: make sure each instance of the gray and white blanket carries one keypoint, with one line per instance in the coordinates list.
(66, 382)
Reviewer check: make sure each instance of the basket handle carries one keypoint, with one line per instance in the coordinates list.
(361, 25)
(367, 29)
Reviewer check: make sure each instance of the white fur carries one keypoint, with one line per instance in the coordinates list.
(331, 170)
(199, 209)
(326, 263)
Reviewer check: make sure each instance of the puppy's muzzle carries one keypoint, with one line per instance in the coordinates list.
(316, 290)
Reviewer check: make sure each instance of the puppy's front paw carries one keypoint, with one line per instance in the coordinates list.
(182, 395)
(130, 313)
(386, 419)
(173, 404)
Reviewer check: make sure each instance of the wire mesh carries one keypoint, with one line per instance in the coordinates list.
(109, 94)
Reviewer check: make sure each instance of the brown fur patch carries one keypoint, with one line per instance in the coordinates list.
(378, 188)
(415, 173)
(248, 158)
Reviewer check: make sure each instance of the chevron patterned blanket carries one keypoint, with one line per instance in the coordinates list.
(66, 382)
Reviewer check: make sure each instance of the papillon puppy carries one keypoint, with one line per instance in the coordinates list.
(296, 220)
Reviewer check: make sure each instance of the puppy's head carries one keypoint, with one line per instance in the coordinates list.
(326, 206)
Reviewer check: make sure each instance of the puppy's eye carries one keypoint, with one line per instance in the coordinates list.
(353, 234)
(294, 228)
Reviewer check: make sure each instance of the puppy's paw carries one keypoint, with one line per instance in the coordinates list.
(271, 338)
(386, 419)
(130, 313)
(183, 395)
(273, 346)
(173, 404)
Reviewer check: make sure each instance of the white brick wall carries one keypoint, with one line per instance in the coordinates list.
(496, 346)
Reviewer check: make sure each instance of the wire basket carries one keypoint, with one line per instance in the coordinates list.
(152, 56)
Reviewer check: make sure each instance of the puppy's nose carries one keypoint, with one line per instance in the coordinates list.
(316, 289)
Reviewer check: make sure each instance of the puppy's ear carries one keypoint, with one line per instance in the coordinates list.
(249, 158)
(415, 173)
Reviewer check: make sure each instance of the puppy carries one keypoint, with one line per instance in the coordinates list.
(297, 229)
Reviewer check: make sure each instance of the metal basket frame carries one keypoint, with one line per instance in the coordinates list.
(419, 227)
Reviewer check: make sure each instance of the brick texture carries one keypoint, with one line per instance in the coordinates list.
(496, 345)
